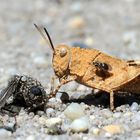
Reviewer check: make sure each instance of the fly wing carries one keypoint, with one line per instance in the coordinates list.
(7, 92)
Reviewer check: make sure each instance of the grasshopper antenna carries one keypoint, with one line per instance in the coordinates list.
(44, 37)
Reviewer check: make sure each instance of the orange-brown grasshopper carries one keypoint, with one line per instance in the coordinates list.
(94, 69)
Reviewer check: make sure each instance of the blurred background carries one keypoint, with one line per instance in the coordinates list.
(108, 25)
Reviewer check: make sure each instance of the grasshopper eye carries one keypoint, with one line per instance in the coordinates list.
(63, 52)
(36, 91)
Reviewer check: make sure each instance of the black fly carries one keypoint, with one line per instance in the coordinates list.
(101, 66)
(102, 69)
(22, 91)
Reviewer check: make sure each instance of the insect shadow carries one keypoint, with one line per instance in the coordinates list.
(102, 99)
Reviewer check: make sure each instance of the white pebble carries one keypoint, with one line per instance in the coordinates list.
(31, 114)
(95, 131)
(42, 120)
(40, 113)
(107, 135)
(72, 86)
(53, 100)
(128, 114)
(116, 114)
(36, 118)
(74, 111)
(82, 88)
(107, 113)
(134, 106)
(80, 125)
(89, 41)
(49, 111)
(5, 135)
(31, 137)
(53, 121)
(20, 120)
(92, 117)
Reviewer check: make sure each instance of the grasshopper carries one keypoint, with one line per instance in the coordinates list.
(94, 69)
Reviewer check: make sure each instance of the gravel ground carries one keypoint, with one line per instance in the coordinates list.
(110, 26)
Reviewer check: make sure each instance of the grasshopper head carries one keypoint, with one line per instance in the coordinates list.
(61, 55)
(61, 59)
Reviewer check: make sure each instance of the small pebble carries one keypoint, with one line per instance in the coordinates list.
(72, 86)
(65, 126)
(42, 120)
(106, 113)
(128, 114)
(50, 111)
(134, 107)
(20, 120)
(40, 113)
(53, 121)
(89, 41)
(54, 130)
(80, 125)
(108, 135)
(53, 100)
(82, 88)
(5, 135)
(113, 129)
(137, 132)
(136, 117)
(121, 108)
(36, 118)
(126, 127)
(11, 124)
(117, 114)
(31, 137)
(77, 23)
(92, 117)
(31, 114)
(95, 131)
(74, 111)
